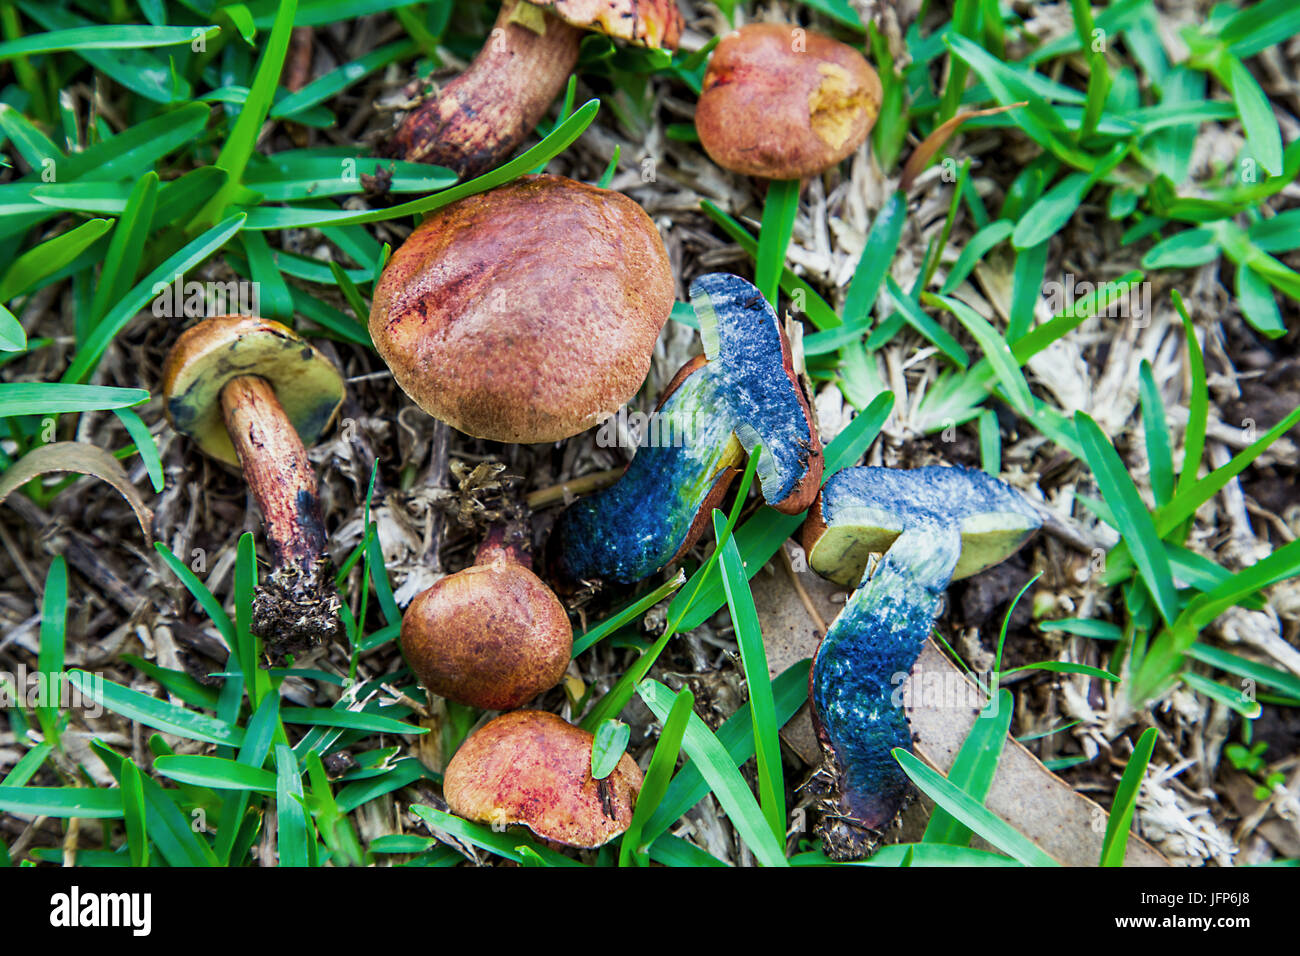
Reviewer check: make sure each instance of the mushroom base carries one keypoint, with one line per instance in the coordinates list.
(297, 608)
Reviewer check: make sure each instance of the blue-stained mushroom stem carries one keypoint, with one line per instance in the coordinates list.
(934, 525)
(741, 393)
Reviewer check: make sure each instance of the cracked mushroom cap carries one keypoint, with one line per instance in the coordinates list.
(532, 768)
(492, 636)
(525, 313)
(208, 355)
(860, 511)
(656, 24)
(783, 102)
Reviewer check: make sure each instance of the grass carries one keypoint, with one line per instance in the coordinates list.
(100, 208)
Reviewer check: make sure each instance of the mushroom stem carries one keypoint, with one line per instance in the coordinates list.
(276, 468)
(857, 672)
(507, 540)
(478, 119)
(296, 606)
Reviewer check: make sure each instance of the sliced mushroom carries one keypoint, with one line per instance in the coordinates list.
(933, 524)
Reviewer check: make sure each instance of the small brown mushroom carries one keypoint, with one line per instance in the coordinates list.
(491, 636)
(251, 392)
(525, 313)
(532, 768)
(477, 120)
(783, 102)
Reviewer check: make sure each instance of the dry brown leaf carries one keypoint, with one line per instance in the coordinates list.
(84, 459)
(1064, 824)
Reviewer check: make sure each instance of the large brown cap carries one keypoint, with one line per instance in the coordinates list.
(526, 313)
(651, 23)
(532, 768)
(783, 102)
(492, 636)
(208, 355)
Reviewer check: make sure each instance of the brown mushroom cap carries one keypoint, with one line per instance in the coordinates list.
(208, 355)
(525, 313)
(651, 23)
(491, 636)
(532, 768)
(782, 102)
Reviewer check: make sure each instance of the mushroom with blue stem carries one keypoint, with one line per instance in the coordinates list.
(934, 525)
(742, 392)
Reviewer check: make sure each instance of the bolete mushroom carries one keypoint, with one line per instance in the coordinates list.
(533, 769)
(477, 120)
(784, 103)
(741, 392)
(492, 636)
(251, 392)
(934, 525)
(524, 313)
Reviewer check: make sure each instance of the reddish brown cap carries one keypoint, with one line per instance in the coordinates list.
(532, 768)
(208, 355)
(652, 23)
(783, 102)
(492, 636)
(526, 313)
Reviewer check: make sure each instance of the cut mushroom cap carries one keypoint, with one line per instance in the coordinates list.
(531, 768)
(211, 354)
(783, 102)
(742, 392)
(492, 636)
(861, 511)
(933, 524)
(477, 120)
(525, 313)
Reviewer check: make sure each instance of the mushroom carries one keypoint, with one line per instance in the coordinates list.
(525, 313)
(491, 636)
(478, 119)
(934, 525)
(783, 102)
(251, 392)
(532, 768)
(741, 392)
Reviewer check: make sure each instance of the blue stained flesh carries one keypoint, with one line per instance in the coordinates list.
(633, 529)
(860, 667)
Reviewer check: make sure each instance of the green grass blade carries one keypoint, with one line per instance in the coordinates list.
(728, 786)
(1156, 430)
(49, 661)
(662, 764)
(762, 707)
(779, 208)
(970, 812)
(973, 769)
(1134, 521)
(1115, 843)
